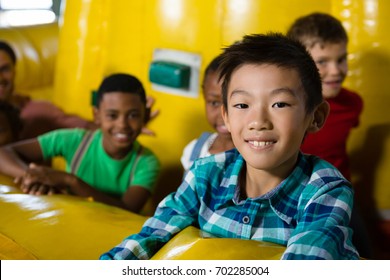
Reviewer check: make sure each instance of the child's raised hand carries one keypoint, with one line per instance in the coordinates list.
(150, 115)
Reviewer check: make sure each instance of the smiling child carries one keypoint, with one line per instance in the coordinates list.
(107, 164)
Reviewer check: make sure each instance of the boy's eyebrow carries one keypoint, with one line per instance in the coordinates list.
(273, 92)
(213, 94)
(344, 55)
(117, 110)
(284, 90)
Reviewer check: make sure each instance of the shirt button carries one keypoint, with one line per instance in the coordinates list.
(245, 219)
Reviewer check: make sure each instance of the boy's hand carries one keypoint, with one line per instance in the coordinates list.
(150, 115)
(39, 180)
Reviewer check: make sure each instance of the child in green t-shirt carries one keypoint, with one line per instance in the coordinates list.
(107, 164)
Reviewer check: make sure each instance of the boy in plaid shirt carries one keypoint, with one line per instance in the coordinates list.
(265, 189)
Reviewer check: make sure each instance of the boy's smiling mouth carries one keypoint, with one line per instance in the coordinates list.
(333, 83)
(121, 136)
(260, 144)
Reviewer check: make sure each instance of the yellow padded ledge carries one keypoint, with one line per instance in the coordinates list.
(10, 250)
(193, 244)
(60, 227)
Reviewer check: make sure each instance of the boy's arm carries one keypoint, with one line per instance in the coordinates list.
(14, 157)
(37, 179)
(143, 178)
(176, 212)
(322, 230)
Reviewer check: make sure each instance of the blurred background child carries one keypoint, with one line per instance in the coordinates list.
(210, 143)
(107, 164)
(326, 39)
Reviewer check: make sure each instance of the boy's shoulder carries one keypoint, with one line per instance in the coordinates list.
(78, 133)
(225, 158)
(352, 97)
(320, 174)
(142, 150)
(218, 163)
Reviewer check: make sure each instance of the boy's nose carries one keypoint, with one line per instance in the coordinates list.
(334, 68)
(259, 120)
(122, 122)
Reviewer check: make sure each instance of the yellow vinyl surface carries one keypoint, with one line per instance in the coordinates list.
(63, 227)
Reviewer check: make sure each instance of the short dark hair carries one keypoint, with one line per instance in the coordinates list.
(12, 114)
(4, 46)
(274, 49)
(317, 28)
(213, 66)
(120, 82)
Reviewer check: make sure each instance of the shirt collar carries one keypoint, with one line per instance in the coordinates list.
(280, 198)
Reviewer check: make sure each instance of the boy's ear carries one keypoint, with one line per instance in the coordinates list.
(319, 117)
(96, 117)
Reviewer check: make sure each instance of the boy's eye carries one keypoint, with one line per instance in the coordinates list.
(280, 105)
(5, 68)
(111, 116)
(342, 60)
(240, 106)
(215, 103)
(321, 62)
(134, 115)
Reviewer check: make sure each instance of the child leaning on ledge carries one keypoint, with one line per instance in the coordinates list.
(265, 189)
(107, 164)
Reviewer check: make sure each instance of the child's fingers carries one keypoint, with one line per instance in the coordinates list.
(18, 180)
(38, 189)
(42, 189)
(51, 191)
(147, 131)
(150, 101)
(154, 114)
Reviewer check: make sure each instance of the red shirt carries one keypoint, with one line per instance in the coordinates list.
(330, 143)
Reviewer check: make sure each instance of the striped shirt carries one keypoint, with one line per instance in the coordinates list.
(308, 212)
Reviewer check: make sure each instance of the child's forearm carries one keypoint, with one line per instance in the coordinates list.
(10, 163)
(78, 187)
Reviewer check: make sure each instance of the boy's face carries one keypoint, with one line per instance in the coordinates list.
(267, 117)
(213, 97)
(7, 76)
(6, 135)
(331, 61)
(121, 117)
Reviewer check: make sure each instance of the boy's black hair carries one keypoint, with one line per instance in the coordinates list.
(12, 114)
(120, 82)
(273, 49)
(317, 28)
(4, 46)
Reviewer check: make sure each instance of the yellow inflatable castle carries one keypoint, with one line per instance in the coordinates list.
(67, 60)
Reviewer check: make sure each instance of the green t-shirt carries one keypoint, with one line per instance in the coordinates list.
(96, 167)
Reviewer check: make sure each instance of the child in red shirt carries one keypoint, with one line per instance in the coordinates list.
(326, 39)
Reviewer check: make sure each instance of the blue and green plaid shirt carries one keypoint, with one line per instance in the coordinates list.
(308, 212)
